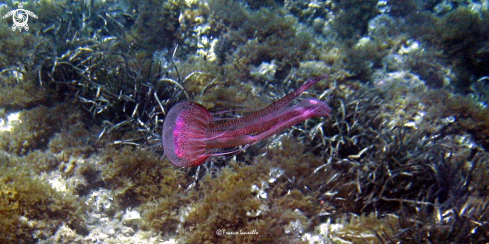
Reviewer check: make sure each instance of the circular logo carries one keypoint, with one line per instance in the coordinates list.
(20, 17)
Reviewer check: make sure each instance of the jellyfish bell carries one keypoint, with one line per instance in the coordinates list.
(184, 134)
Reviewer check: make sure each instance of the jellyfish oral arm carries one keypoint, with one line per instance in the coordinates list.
(270, 108)
(264, 127)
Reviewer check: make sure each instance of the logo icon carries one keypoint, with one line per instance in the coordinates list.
(20, 17)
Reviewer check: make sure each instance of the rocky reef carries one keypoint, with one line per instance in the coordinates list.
(403, 157)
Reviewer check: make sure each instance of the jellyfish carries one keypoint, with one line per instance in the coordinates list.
(191, 134)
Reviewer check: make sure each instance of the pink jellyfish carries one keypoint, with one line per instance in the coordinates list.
(191, 134)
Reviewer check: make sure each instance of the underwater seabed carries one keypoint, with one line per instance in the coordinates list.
(402, 158)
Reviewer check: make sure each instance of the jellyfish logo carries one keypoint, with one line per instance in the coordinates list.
(20, 17)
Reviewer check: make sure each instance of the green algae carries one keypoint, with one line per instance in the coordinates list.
(460, 34)
(226, 202)
(352, 17)
(15, 94)
(157, 23)
(36, 127)
(30, 208)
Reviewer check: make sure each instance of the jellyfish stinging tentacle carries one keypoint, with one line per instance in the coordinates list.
(191, 134)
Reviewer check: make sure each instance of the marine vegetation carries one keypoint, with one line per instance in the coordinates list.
(401, 157)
